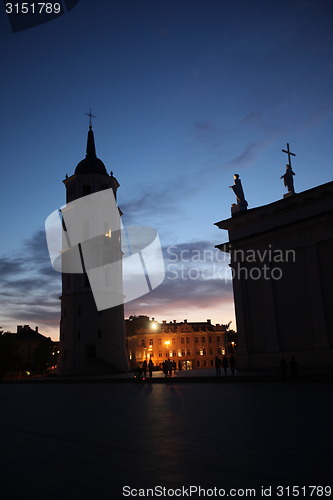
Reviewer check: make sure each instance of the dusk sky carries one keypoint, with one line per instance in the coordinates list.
(186, 93)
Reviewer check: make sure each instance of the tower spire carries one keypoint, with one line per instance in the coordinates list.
(91, 149)
(90, 117)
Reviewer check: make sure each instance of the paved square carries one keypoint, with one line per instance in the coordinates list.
(87, 440)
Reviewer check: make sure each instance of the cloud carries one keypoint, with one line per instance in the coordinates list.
(29, 287)
(252, 117)
(247, 156)
(159, 202)
(10, 266)
(203, 125)
(197, 283)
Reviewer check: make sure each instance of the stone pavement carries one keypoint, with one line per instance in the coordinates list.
(78, 441)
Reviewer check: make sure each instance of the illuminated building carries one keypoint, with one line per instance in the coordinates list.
(190, 344)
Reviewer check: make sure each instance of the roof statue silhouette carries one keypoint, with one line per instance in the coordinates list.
(288, 176)
(238, 190)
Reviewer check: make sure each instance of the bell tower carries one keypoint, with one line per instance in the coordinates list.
(92, 341)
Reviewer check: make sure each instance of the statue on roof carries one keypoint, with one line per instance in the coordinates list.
(288, 176)
(288, 179)
(238, 190)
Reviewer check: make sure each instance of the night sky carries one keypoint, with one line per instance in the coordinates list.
(185, 93)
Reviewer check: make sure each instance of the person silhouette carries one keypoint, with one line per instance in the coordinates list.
(218, 366)
(232, 364)
(144, 369)
(150, 368)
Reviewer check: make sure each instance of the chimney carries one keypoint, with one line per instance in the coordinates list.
(36, 329)
(209, 321)
(26, 327)
(164, 321)
(174, 321)
(185, 320)
(19, 328)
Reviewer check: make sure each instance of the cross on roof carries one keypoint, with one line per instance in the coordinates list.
(288, 153)
(90, 117)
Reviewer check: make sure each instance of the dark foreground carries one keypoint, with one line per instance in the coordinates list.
(87, 441)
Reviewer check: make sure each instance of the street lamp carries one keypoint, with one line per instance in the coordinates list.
(167, 344)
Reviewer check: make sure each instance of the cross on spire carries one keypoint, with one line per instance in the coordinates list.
(288, 153)
(90, 117)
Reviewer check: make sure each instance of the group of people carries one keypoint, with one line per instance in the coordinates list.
(141, 372)
(168, 367)
(225, 363)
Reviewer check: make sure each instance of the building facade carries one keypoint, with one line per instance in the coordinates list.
(91, 341)
(190, 344)
(281, 260)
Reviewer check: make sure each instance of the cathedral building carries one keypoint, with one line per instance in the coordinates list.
(92, 341)
(281, 261)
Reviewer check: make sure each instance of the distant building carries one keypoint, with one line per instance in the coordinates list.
(28, 340)
(281, 260)
(26, 351)
(91, 341)
(190, 344)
